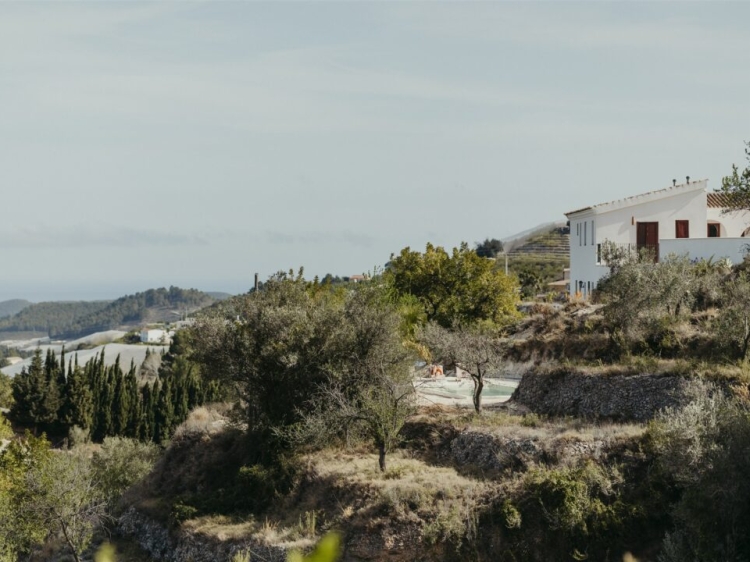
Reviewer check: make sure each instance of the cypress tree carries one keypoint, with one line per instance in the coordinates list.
(78, 402)
(35, 403)
(120, 407)
(151, 408)
(164, 414)
(134, 403)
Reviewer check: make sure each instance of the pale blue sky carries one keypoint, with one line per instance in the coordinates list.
(149, 144)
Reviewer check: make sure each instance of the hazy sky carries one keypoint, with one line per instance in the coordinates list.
(194, 144)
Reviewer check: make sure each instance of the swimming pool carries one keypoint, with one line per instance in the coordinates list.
(462, 388)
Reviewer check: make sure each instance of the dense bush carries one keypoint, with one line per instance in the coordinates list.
(583, 506)
(703, 452)
(119, 464)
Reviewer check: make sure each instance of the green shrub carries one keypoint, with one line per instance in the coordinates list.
(120, 463)
(511, 516)
(583, 508)
(701, 454)
(182, 511)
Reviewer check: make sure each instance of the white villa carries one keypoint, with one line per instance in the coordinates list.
(682, 219)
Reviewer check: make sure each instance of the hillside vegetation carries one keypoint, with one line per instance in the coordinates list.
(74, 319)
(626, 439)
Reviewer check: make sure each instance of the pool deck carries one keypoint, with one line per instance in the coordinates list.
(442, 391)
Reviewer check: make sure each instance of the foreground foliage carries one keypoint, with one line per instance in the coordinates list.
(62, 497)
(298, 358)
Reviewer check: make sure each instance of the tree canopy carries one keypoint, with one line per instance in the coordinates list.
(737, 185)
(296, 354)
(456, 287)
(489, 248)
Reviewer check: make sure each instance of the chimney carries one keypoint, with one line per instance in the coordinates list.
(674, 183)
(687, 178)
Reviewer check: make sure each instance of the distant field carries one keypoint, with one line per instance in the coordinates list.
(127, 353)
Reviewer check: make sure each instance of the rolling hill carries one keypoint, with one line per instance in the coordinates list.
(75, 319)
(12, 307)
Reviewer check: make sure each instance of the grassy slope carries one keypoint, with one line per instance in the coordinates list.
(436, 499)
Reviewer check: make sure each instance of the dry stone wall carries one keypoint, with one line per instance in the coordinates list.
(182, 546)
(617, 397)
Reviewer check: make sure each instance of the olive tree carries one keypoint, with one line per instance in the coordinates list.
(370, 386)
(642, 296)
(733, 323)
(64, 496)
(296, 356)
(475, 351)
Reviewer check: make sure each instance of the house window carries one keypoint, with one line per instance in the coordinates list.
(585, 235)
(592, 233)
(714, 230)
(598, 254)
(682, 229)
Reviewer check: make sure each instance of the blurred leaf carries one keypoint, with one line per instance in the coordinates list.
(106, 553)
(328, 549)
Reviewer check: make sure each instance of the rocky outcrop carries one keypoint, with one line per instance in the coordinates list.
(613, 396)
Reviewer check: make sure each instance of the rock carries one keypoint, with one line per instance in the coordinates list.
(617, 397)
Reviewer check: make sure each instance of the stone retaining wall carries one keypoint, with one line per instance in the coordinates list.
(617, 397)
(183, 546)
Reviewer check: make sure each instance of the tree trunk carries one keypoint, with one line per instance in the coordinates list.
(381, 458)
(478, 386)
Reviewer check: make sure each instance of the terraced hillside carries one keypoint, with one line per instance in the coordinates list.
(539, 258)
(555, 242)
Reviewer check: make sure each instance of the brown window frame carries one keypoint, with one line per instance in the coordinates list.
(682, 229)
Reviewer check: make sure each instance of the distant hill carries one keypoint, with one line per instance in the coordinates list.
(75, 319)
(218, 295)
(11, 307)
(50, 317)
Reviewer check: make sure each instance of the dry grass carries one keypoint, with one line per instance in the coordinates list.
(266, 531)
(203, 420)
(409, 490)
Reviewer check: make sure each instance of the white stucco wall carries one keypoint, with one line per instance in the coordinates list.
(706, 248)
(732, 224)
(617, 222)
(153, 336)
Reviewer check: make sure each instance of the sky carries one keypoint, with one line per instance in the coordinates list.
(197, 143)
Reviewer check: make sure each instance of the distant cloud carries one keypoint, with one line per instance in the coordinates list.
(346, 237)
(97, 235)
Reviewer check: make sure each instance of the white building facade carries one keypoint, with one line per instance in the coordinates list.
(155, 336)
(682, 219)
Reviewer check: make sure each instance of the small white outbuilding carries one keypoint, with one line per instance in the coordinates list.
(155, 336)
